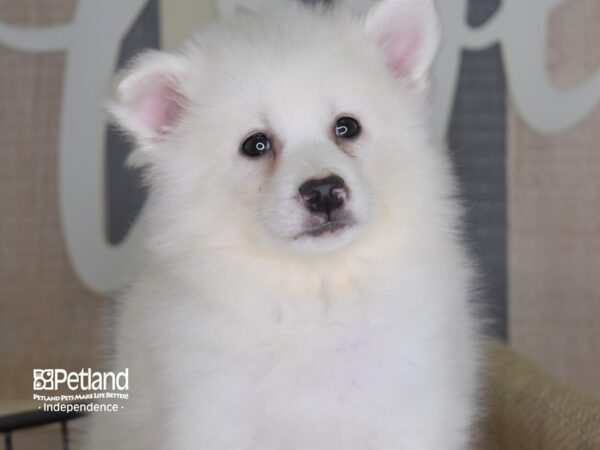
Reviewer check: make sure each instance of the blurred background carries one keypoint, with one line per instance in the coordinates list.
(516, 99)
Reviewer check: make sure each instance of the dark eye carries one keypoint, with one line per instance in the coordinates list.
(256, 145)
(347, 128)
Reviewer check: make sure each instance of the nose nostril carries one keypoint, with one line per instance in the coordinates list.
(313, 198)
(339, 192)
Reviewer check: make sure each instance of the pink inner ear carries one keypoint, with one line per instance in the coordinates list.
(401, 45)
(158, 106)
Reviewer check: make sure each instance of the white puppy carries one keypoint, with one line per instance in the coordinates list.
(303, 284)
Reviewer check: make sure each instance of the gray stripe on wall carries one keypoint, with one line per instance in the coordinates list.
(477, 141)
(125, 194)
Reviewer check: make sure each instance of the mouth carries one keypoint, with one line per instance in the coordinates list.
(330, 227)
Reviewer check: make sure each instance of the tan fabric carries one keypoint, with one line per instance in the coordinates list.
(525, 410)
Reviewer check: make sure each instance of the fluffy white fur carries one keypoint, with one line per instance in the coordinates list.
(242, 335)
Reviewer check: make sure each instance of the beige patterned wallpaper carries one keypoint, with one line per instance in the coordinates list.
(554, 218)
(47, 318)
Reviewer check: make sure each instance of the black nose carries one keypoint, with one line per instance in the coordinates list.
(324, 195)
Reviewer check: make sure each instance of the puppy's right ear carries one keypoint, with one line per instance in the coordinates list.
(148, 98)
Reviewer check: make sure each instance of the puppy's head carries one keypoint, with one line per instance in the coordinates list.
(293, 128)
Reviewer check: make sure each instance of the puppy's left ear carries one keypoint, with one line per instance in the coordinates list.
(408, 32)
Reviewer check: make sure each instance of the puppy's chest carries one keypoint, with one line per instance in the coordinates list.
(338, 362)
(344, 351)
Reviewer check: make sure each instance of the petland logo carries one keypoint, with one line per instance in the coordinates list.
(84, 380)
(88, 386)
